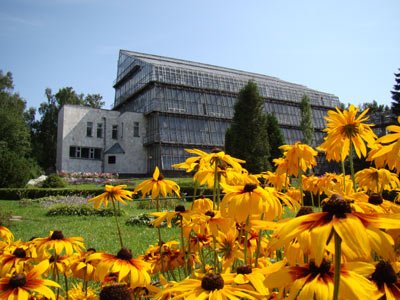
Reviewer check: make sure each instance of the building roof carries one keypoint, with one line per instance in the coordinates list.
(115, 149)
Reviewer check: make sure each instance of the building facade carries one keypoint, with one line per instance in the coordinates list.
(182, 104)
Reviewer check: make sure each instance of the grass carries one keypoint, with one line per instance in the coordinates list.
(98, 232)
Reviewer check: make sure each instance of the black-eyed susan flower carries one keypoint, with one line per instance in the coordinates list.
(157, 186)
(228, 248)
(389, 148)
(6, 234)
(299, 157)
(360, 233)
(347, 129)
(81, 267)
(58, 244)
(209, 286)
(14, 257)
(313, 281)
(112, 193)
(386, 279)
(23, 285)
(77, 292)
(168, 216)
(376, 180)
(374, 203)
(130, 270)
(191, 163)
(240, 202)
(245, 274)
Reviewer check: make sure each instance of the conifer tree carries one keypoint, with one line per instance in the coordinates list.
(247, 138)
(306, 121)
(275, 137)
(396, 95)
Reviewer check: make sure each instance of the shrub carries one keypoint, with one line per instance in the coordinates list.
(54, 181)
(140, 220)
(34, 193)
(81, 210)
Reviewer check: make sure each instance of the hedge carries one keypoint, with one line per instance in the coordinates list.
(23, 193)
(34, 193)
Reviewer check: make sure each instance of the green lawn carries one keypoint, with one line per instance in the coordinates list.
(98, 232)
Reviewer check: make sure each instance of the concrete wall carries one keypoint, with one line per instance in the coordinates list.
(72, 131)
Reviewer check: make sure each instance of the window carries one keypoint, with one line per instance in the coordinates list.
(114, 134)
(111, 159)
(85, 152)
(89, 129)
(99, 130)
(136, 129)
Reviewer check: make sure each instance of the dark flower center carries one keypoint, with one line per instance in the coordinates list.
(211, 282)
(180, 208)
(124, 254)
(210, 213)
(17, 280)
(216, 150)
(245, 269)
(249, 187)
(57, 235)
(160, 177)
(351, 130)
(20, 253)
(375, 199)
(115, 292)
(384, 273)
(322, 269)
(304, 210)
(336, 206)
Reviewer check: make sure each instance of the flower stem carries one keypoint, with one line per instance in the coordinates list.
(116, 221)
(215, 185)
(352, 166)
(245, 240)
(183, 247)
(344, 176)
(259, 243)
(338, 256)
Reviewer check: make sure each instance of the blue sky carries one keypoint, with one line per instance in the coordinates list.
(347, 48)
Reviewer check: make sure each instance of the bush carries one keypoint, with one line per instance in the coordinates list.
(34, 193)
(54, 181)
(81, 210)
(141, 220)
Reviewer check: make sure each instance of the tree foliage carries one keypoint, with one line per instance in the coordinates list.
(16, 164)
(247, 138)
(306, 124)
(275, 137)
(45, 130)
(396, 95)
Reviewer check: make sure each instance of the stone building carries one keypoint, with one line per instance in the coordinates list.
(173, 104)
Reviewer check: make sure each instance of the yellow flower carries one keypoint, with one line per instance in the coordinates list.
(240, 202)
(345, 128)
(299, 157)
(313, 281)
(81, 267)
(131, 270)
(276, 180)
(58, 243)
(112, 193)
(385, 278)
(157, 186)
(78, 293)
(227, 245)
(360, 233)
(389, 148)
(14, 257)
(210, 286)
(6, 234)
(247, 275)
(22, 285)
(377, 180)
(191, 163)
